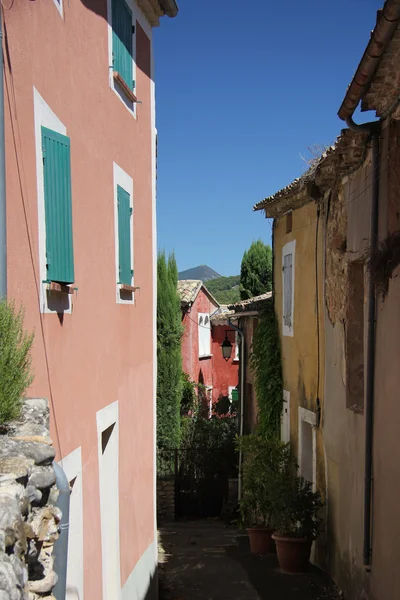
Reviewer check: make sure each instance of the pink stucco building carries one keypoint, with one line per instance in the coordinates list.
(80, 188)
(201, 344)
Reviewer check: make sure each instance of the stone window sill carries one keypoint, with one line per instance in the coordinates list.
(127, 91)
(53, 286)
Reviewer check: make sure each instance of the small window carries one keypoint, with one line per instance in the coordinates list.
(124, 237)
(58, 207)
(287, 287)
(288, 254)
(204, 334)
(123, 44)
(289, 218)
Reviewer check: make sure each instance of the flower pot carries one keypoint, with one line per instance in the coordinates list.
(261, 541)
(293, 553)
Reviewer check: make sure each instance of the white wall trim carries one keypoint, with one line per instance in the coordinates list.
(289, 248)
(109, 515)
(153, 133)
(285, 417)
(126, 182)
(106, 417)
(50, 302)
(139, 581)
(59, 6)
(72, 466)
(309, 417)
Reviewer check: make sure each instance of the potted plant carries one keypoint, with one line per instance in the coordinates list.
(262, 462)
(297, 521)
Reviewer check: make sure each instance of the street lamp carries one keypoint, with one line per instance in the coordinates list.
(226, 348)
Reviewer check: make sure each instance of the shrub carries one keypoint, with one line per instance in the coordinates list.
(15, 360)
(297, 508)
(267, 369)
(264, 464)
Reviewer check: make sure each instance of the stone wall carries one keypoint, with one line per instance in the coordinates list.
(28, 515)
(165, 500)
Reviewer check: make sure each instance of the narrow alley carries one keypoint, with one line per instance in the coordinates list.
(207, 560)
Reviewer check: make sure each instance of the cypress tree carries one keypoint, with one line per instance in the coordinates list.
(169, 357)
(256, 270)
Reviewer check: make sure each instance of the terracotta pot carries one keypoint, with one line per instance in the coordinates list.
(293, 553)
(261, 541)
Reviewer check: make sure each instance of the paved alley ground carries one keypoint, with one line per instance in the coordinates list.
(206, 560)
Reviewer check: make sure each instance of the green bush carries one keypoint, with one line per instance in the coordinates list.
(263, 466)
(297, 508)
(267, 369)
(15, 360)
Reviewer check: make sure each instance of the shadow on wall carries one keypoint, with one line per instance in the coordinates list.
(143, 49)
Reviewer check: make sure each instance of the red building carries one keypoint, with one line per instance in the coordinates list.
(201, 341)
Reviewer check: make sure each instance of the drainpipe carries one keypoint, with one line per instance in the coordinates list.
(241, 421)
(61, 545)
(373, 129)
(3, 225)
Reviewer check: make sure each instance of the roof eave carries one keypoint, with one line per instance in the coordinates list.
(388, 20)
(291, 200)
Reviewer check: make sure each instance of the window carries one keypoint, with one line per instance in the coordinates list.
(124, 237)
(288, 254)
(58, 207)
(204, 332)
(123, 46)
(236, 356)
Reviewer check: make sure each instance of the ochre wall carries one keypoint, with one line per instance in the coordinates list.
(300, 352)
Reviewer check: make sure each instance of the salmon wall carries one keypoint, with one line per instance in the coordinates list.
(103, 351)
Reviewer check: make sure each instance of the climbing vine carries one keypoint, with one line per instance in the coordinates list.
(267, 369)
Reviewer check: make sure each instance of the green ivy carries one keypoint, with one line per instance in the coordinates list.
(267, 369)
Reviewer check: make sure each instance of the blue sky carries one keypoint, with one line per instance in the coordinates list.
(242, 89)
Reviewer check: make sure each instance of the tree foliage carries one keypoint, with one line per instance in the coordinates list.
(267, 369)
(256, 270)
(169, 357)
(15, 360)
(225, 289)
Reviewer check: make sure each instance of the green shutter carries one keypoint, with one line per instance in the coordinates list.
(58, 206)
(235, 395)
(122, 40)
(124, 236)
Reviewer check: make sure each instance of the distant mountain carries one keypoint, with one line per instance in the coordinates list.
(201, 272)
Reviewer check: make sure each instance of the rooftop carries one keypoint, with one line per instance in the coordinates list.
(337, 160)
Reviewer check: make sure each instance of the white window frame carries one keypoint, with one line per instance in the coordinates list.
(50, 302)
(209, 392)
(289, 248)
(59, 6)
(72, 466)
(200, 333)
(285, 418)
(124, 180)
(109, 484)
(309, 418)
(236, 355)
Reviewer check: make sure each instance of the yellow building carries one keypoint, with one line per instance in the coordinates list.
(298, 287)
